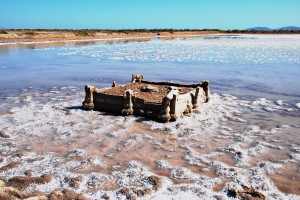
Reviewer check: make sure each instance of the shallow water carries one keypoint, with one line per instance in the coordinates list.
(256, 65)
(247, 135)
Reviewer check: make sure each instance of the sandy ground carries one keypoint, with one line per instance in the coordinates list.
(15, 36)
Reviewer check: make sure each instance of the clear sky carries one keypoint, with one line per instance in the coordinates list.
(133, 14)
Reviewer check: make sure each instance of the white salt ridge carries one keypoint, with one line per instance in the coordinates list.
(162, 164)
(266, 104)
(7, 147)
(135, 172)
(295, 156)
(140, 137)
(279, 102)
(295, 148)
(70, 166)
(95, 179)
(39, 164)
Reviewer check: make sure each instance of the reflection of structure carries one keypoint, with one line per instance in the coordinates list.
(7, 46)
(162, 101)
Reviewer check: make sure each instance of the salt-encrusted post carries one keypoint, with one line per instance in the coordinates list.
(165, 114)
(189, 107)
(195, 98)
(173, 108)
(137, 78)
(88, 103)
(206, 90)
(114, 84)
(128, 105)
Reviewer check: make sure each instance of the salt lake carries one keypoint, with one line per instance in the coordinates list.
(247, 136)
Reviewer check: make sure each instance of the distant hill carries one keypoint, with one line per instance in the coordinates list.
(289, 28)
(286, 28)
(258, 29)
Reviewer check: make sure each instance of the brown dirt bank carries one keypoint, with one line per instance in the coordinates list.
(40, 35)
(13, 36)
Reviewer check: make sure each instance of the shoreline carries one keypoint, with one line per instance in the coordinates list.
(19, 36)
(47, 36)
(146, 38)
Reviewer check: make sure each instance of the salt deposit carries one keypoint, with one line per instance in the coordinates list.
(217, 146)
(216, 49)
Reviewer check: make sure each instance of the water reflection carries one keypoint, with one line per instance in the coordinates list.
(5, 48)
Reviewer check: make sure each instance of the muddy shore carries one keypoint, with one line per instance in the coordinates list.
(15, 36)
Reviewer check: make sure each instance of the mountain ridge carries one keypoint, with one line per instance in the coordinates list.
(262, 28)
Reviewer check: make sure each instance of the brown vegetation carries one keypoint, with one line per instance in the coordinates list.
(3, 32)
(84, 33)
(30, 33)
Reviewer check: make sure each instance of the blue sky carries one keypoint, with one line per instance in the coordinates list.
(133, 14)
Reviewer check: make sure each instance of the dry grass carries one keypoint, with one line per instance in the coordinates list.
(3, 32)
(30, 33)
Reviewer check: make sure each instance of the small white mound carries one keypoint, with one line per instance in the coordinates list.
(279, 102)
(162, 164)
